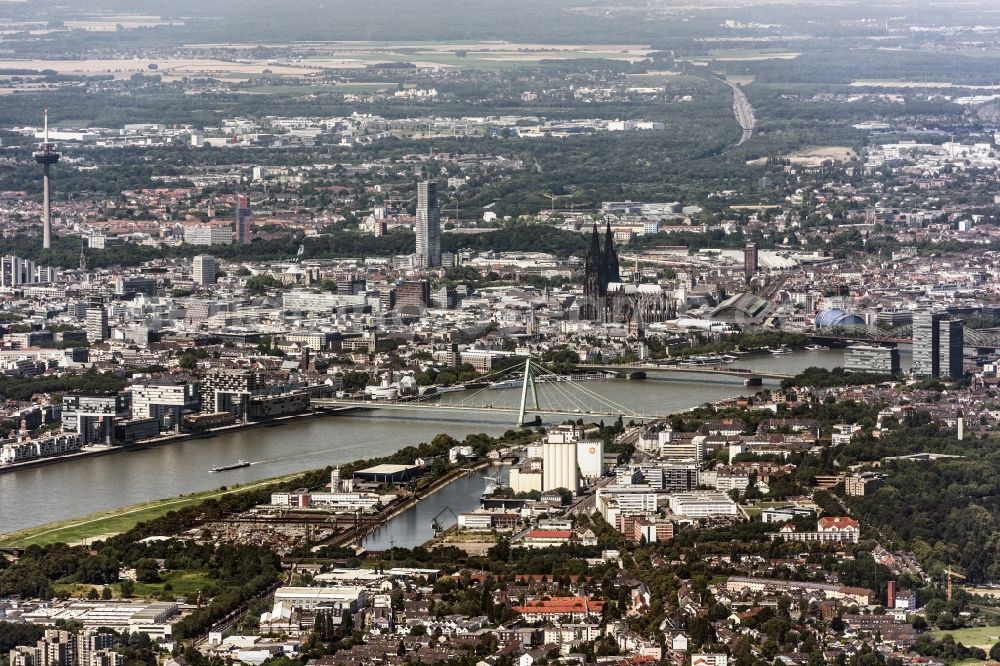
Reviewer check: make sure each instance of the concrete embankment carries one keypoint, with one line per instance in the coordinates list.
(97, 452)
(403, 504)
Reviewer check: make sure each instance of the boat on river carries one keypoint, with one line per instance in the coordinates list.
(236, 465)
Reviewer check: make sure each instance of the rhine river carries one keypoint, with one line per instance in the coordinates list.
(64, 490)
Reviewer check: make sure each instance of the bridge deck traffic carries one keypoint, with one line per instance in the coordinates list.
(345, 404)
(714, 370)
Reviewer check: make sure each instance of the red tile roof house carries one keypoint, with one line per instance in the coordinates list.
(576, 608)
(546, 538)
(830, 529)
(837, 524)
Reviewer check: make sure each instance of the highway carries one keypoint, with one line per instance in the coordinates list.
(744, 112)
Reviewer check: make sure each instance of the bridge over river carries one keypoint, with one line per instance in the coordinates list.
(698, 369)
(563, 395)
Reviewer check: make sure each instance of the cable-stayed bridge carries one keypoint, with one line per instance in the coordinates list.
(542, 392)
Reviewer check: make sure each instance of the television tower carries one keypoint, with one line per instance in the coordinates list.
(46, 156)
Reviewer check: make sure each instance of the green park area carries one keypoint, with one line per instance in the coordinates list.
(982, 637)
(185, 583)
(182, 583)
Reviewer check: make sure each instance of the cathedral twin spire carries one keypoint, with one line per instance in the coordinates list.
(604, 263)
(600, 269)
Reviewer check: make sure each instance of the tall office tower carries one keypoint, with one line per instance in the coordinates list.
(204, 270)
(926, 344)
(937, 345)
(750, 261)
(242, 208)
(46, 156)
(97, 321)
(15, 271)
(951, 339)
(428, 225)
(90, 645)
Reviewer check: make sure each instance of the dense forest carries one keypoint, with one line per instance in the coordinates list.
(844, 66)
(65, 252)
(948, 510)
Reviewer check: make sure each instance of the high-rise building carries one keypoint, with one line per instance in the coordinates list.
(428, 225)
(351, 285)
(242, 215)
(63, 648)
(15, 271)
(46, 155)
(413, 297)
(97, 321)
(937, 345)
(951, 340)
(925, 344)
(750, 261)
(204, 270)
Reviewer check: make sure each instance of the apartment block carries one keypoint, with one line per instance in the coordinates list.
(870, 358)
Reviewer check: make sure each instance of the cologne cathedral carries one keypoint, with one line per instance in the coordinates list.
(606, 299)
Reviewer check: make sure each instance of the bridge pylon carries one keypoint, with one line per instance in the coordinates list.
(527, 384)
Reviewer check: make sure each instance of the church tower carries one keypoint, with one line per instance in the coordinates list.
(592, 287)
(612, 271)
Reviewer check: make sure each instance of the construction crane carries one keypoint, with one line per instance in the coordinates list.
(552, 200)
(949, 574)
(438, 525)
(492, 483)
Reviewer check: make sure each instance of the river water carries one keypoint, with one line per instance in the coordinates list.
(415, 526)
(45, 494)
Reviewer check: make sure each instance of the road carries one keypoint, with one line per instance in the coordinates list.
(688, 369)
(423, 404)
(743, 111)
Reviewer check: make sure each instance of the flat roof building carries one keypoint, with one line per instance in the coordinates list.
(204, 270)
(389, 473)
(872, 358)
(702, 504)
(208, 234)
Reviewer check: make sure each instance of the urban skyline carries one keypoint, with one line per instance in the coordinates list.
(499, 334)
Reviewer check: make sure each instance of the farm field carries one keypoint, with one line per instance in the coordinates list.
(813, 157)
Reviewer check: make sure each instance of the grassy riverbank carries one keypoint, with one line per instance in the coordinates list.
(115, 521)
